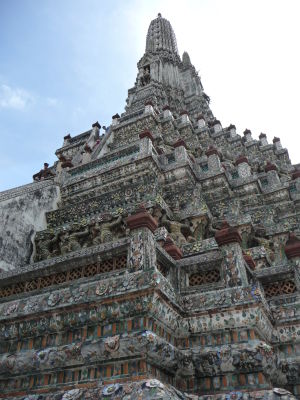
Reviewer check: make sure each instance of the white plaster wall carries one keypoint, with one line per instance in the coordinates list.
(22, 214)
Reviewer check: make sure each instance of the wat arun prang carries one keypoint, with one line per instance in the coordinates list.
(156, 260)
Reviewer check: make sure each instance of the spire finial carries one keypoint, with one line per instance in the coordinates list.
(161, 37)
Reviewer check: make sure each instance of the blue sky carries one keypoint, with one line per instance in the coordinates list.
(65, 64)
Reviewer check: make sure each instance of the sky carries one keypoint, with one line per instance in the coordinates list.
(65, 64)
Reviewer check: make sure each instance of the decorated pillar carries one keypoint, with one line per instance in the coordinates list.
(86, 155)
(229, 240)
(243, 167)
(67, 140)
(217, 126)
(141, 254)
(180, 151)
(115, 119)
(248, 135)
(296, 179)
(292, 251)
(213, 159)
(232, 131)
(93, 139)
(201, 122)
(277, 143)
(184, 117)
(167, 113)
(263, 139)
(146, 142)
(149, 107)
(272, 175)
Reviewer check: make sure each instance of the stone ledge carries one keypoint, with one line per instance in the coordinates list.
(30, 187)
(32, 270)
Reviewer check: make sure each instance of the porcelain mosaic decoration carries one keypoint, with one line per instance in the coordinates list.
(157, 260)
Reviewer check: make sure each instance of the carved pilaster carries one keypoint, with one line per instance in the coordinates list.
(229, 240)
(141, 254)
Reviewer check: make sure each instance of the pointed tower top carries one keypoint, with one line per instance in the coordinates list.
(186, 59)
(160, 36)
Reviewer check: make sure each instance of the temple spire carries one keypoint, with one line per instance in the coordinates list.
(164, 79)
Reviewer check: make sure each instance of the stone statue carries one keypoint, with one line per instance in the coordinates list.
(174, 227)
(106, 233)
(145, 78)
(43, 174)
(95, 233)
(260, 239)
(45, 246)
(201, 228)
(70, 241)
(198, 228)
(103, 230)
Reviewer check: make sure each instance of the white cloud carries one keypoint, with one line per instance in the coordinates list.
(52, 101)
(14, 98)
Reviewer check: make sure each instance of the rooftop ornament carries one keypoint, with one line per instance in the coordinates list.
(227, 234)
(270, 167)
(147, 134)
(241, 159)
(292, 247)
(96, 125)
(212, 150)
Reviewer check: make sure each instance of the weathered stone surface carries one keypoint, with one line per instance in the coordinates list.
(22, 214)
(136, 289)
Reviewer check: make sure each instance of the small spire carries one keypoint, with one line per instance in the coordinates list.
(186, 58)
(159, 15)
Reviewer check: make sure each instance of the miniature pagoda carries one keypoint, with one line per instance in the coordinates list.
(159, 259)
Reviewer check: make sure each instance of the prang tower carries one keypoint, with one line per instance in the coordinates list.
(156, 260)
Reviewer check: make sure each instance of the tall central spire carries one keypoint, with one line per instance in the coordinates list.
(166, 80)
(161, 37)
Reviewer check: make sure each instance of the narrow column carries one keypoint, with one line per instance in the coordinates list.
(277, 143)
(180, 151)
(217, 126)
(229, 239)
(296, 179)
(232, 131)
(248, 136)
(243, 167)
(201, 122)
(167, 113)
(213, 159)
(146, 142)
(115, 119)
(272, 174)
(184, 117)
(149, 107)
(292, 251)
(263, 139)
(141, 254)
